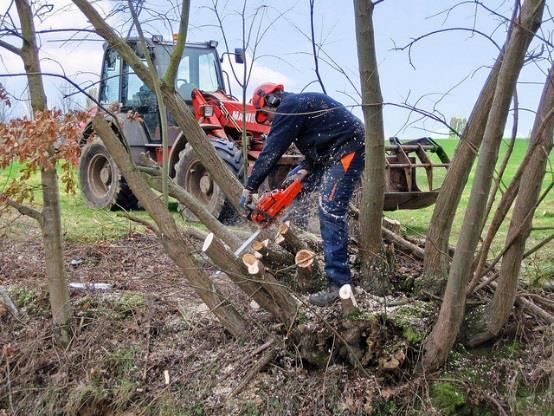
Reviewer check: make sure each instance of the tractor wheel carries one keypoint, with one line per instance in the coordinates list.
(192, 176)
(101, 181)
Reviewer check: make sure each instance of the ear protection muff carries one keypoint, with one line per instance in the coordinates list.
(273, 100)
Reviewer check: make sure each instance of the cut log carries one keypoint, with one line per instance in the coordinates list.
(287, 236)
(273, 256)
(348, 301)
(268, 293)
(403, 244)
(391, 225)
(253, 265)
(308, 275)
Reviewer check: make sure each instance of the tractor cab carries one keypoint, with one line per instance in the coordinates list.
(199, 68)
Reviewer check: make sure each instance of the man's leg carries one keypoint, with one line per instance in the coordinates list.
(337, 187)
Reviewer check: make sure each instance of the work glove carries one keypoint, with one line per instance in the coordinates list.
(294, 174)
(245, 199)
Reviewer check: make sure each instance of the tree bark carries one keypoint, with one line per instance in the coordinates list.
(438, 344)
(51, 217)
(171, 237)
(506, 201)
(436, 261)
(499, 308)
(373, 270)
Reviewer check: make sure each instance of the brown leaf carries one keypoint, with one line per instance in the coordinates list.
(9, 351)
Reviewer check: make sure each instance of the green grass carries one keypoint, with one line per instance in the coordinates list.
(80, 223)
(416, 221)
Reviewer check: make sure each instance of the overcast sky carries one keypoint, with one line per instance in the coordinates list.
(447, 74)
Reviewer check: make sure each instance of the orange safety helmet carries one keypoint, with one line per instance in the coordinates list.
(264, 95)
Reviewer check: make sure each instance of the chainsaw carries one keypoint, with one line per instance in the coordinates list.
(270, 208)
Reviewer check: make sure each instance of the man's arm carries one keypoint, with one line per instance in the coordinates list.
(284, 130)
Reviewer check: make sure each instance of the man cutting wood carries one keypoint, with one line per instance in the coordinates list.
(331, 139)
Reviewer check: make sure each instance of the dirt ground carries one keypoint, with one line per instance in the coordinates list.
(147, 346)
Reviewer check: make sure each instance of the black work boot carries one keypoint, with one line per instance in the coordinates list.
(325, 297)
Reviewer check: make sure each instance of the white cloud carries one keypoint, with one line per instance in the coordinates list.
(260, 74)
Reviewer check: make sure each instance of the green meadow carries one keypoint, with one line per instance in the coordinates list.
(80, 223)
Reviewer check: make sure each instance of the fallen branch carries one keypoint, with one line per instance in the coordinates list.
(266, 358)
(140, 221)
(275, 258)
(400, 241)
(403, 244)
(10, 306)
(531, 307)
(547, 303)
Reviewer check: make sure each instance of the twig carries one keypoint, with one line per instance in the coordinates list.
(501, 410)
(9, 383)
(539, 299)
(140, 221)
(264, 360)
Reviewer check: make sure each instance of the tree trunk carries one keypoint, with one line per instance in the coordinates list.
(373, 271)
(199, 210)
(437, 260)
(53, 252)
(275, 258)
(498, 310)
(171, 237)
(308, 272)
(438, 344)
(51, 221)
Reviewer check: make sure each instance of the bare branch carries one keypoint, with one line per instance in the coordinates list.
(23, 209)
(316, 61)
(434, 32)
(10, 47)
(179, 48)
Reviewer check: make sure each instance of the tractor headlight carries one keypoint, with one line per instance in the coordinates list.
(207, 111)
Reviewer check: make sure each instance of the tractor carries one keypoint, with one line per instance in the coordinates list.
(200, 82)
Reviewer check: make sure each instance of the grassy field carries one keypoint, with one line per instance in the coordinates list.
(83, 224)
(415, 222)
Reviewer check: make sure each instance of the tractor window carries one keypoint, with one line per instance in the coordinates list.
(111, 77)
(197, 69)
(207, 72)
(135, 93)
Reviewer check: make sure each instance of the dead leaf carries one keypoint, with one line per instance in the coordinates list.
(389, 363)
(9, 351)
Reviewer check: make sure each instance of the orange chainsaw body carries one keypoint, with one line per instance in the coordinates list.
(272, 204)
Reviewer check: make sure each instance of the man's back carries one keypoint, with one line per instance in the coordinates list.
(324, 128)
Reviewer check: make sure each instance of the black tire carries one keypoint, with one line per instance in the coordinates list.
(101, 181)
(191, 175)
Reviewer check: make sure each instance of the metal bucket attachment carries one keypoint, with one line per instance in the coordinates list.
(402, 161)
